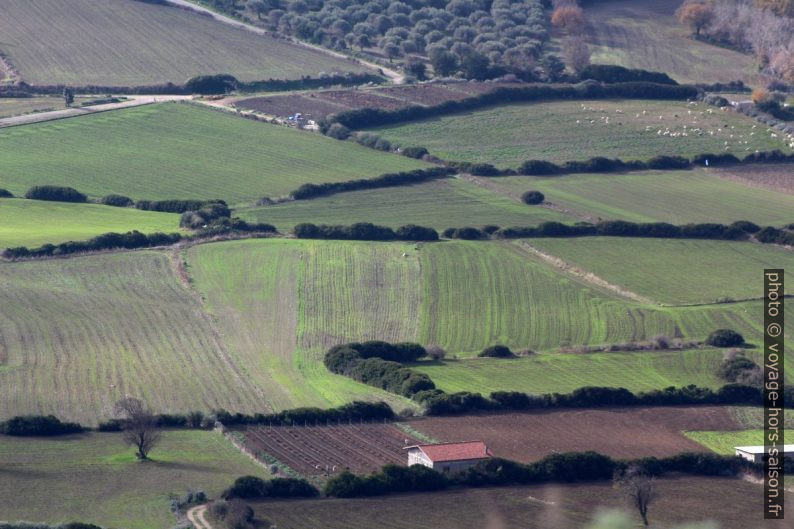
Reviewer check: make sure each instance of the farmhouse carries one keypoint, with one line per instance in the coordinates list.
(756, 454)
(448, 457)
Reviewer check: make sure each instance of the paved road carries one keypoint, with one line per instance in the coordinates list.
(394, 75)
(133, 101)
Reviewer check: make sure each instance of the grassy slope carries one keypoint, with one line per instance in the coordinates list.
(643, 265)
(441, 204)
(180, 151)
(124, 42)
(280, 304)
(724, 442)
(95, 478)
(80, 333)
(33, 222)
(558, 372)
(678, 197)
(644, 34)
(507, 135)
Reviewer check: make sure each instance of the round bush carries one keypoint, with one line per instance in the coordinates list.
(5, 193)
(119, 201)
(497, 351)
(533, 197)
(55, 193)
(338, 131)
(725, 338)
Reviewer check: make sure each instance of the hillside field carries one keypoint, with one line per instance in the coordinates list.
(565, 372)
(128, 43)
(178, 150)
(642, 265)
(448, 203)
(678, 197)
(556, 506)
(645, 34)
(558, 131)
(35, 222)
(96, 478)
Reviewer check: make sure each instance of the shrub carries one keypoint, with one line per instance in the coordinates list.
(746, 226)
(668, 162)
(607, 73)
(55, 193)
(725, 338)
(338, 132)
(211, 84)
(497, 351)
(533, 197)
(5, 193)
(416, 176)
(436, 352)
(38, 425)
(176, 206)
(252, 487)
(119, 201)
(539, 168)
(467, 233)
(414, 152)
(732, 369)
(412, 232)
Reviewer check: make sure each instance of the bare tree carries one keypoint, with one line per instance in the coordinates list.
(639, 488)
(139, 426)
(695, 13)
(569, 18)
(436, 352)
(577, 54)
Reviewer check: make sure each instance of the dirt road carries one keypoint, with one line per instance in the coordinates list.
(395, 76)
(132, 101)
(197, 518)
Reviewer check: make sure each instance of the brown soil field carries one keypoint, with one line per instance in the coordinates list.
(308, 450)
(616, 432)
(286, 105)
(777, 177)
(361, 98)
(732, 503)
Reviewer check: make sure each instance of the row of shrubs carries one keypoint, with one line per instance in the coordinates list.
(738, 230)
(252, 487)
(106, 241)
(38, 425)
(386, 180)
(365, 231)
(371, 117)
(566, 468)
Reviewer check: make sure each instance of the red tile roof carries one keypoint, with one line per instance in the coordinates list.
(455, 451)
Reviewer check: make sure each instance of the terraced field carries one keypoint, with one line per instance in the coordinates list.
(95, 478)
(34, 222)
(127, 43)
(558, 131)
(706, 271)
(441, 204)
(644, 34)
(178, 150)
(78, 334)
(565, 372)
(678, 197)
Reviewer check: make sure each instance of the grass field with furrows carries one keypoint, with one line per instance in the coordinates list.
(564, 372)
(35, 222)
(645, 34)
(125, 42)
(182, 151)
(705, 271)
(80, 333)
(559, 131)
(440, 204)
(96, 478)
(678, 197)
(280, 304)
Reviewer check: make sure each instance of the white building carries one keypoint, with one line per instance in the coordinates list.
(756, 454)
(448, 457)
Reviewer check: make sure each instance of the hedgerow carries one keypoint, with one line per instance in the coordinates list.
(38, 425)
(107, 241)
(365, 231)
(252, 487)
(416, 176)
(55, 193)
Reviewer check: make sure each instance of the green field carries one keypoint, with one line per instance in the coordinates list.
(678, 197)
(183, 151)
(127, 43)
(753, 417)
(724, 442)
(78, 334)
(34, 222)
(441, 204)
(645, 34)
(564, 372)
(95, 478)
(559, 131)
(704, 271)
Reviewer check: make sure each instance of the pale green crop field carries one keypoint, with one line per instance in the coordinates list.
(674, 271)
(724, 442)
(167, 151)
(95, 478)
(128, 43)
(441, 204)
(35, 222)
(565, 372)
(558, 131)
(678, 197)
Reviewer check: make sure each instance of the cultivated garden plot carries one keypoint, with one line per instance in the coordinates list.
(318, 452)
(177, 150)
(129, 43)
(558, 131)
(33, 222)
(678, 197)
